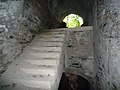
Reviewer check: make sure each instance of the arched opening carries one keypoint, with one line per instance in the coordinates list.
(73, 20)
(73, 82)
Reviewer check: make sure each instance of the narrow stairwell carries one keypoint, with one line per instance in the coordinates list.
(40, 66)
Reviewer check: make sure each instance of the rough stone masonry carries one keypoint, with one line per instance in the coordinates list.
(16, 30)
(107, 44)
(21, 20)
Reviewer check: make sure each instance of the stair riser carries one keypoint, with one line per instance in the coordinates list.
(46, 72)
(51, 36)
(46, 49)
(42, 56)
(35, 84)
(46, 44)
(43, 62)
(50, 39)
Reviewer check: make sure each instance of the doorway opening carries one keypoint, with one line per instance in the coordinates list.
(73, 20)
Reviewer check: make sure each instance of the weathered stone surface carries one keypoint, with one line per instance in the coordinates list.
(21, 20)
(106, 44)
(14, 30)
(2, 66)
(79, 53)
(36, 69)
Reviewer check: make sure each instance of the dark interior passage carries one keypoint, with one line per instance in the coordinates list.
(83, 84)
(78, 83)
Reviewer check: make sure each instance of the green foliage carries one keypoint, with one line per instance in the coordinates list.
(73, 20)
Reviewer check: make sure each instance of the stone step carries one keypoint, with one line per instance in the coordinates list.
(50, 39)
(40, 71)
(21, 74)
(29, 64)
(23, 69)
(41, 44)
(50, 35)
(42, 85)
(42, 50)
(43, 62)
(15, 86)
(22, 84)
(46, 36)
(52, 31)
(46, 49)
(40, 55)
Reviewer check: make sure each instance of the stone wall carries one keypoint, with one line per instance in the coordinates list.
(79, 51)
(107, 44)
(78, 45)
(16, 29)
(20, 21)
(82, 8)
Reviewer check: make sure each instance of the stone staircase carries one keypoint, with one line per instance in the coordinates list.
(40, 66)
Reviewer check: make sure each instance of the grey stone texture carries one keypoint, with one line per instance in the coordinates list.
(39, 67)
(21, 20)
(107, 44)
(16, 30)
(78, 45)
(79, 53)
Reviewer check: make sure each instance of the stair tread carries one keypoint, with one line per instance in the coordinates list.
(39, 66)
(46, 48)
(45, 71)
(35, 83)
(22, 67)
(40, 55)
(27, 64)
(43, 62)
(50, 39)
(30, 51)
(49, 32)
(52, 31)
(38, 69)
(51, 35)
(26, 76)
(34, 77)
(19, 72)
(60, 44)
